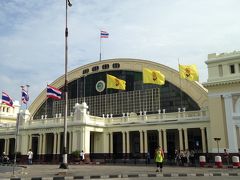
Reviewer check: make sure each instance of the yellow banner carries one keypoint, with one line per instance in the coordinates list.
(153, 77)
(188, 72)
(115, 83)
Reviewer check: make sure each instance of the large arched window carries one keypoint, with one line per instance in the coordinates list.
(137, 97)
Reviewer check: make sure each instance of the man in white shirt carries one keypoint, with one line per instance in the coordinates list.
(30, 156)
(82, 156)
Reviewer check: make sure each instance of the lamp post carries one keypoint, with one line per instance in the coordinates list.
(64, 164)
(217, 140)
(16, 135)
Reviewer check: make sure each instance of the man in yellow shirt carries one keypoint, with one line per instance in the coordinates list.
(159, 156)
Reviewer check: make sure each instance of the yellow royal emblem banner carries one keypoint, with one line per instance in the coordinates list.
(153, 77)
(188, 72)
(115, 83)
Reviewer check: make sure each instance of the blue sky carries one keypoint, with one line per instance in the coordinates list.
(32, 35)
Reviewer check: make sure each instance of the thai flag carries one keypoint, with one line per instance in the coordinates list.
(6, 99)
(104, 34)
(54, 93)
(25, 97)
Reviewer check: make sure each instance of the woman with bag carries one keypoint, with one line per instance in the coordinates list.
(159, 156)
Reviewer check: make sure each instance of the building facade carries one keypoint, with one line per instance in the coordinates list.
(107, 123)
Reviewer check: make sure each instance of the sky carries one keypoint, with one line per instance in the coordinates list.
(32, 36)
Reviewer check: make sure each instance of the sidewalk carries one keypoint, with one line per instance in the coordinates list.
(113, 171)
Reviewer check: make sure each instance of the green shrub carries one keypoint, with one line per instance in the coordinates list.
(76, 154)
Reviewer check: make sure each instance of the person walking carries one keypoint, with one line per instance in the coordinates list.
(82, 156)
(30, 156)
(159, 156)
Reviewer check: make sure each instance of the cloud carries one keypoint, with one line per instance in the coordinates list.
(32, 35)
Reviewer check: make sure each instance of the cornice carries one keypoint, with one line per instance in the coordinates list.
(220, 83)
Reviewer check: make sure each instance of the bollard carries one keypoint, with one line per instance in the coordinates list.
(202, 161)
(235, 160)
(218, 161)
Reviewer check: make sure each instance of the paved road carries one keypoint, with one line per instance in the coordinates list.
(184, 178)
(4, 169)
(123, 172)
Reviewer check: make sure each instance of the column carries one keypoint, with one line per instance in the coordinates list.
(111, 142)
(185, 138)
(58, 142)
(29, 141)
(165, 140)
(44, 143)
(40, 144)
(123, 142)
(127, 142)
(54, 143)
(145, 142)
(70, 142)
(180, 139)
(203, 140)
(231, 127)
(106, 142)
(74, 141)
(6, 146)
(141, 141)
(160, 141)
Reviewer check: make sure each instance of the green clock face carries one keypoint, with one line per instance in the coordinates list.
(100, 86)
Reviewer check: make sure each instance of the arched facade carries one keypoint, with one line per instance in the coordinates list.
(121, 125)
(82, 82)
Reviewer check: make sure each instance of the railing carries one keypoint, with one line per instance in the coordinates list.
(201, 115)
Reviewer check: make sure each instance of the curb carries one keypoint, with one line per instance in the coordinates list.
(167, 175)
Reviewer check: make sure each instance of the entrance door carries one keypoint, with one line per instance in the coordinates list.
(152, 142)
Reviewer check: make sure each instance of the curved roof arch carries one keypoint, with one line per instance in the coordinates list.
(194, 89)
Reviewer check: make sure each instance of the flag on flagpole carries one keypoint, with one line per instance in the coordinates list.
(104, 34)
(153, 77)
(25, 97)
(54, 93)
(188, 72)
(6, 99)
(115, 83)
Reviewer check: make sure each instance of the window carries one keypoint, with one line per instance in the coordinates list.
(220, 70)
(85, 71)
(232, 69)
(95, 68)
(105, 66)
(116, 65)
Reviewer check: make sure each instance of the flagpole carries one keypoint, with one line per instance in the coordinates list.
(100, 55)
(180, 84)
(84, 88)
(159, 98)
(16, 136)
(64, 164)
(27, 94)
(46, 104)
(77, 89)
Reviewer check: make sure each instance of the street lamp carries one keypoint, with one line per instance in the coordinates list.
(64, 164)
(217, 140)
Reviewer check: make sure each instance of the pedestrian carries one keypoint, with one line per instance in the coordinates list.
(82, 156)
(148, 158)
(5, 158)
(226, 156)
(159, 156)
(30, 156)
